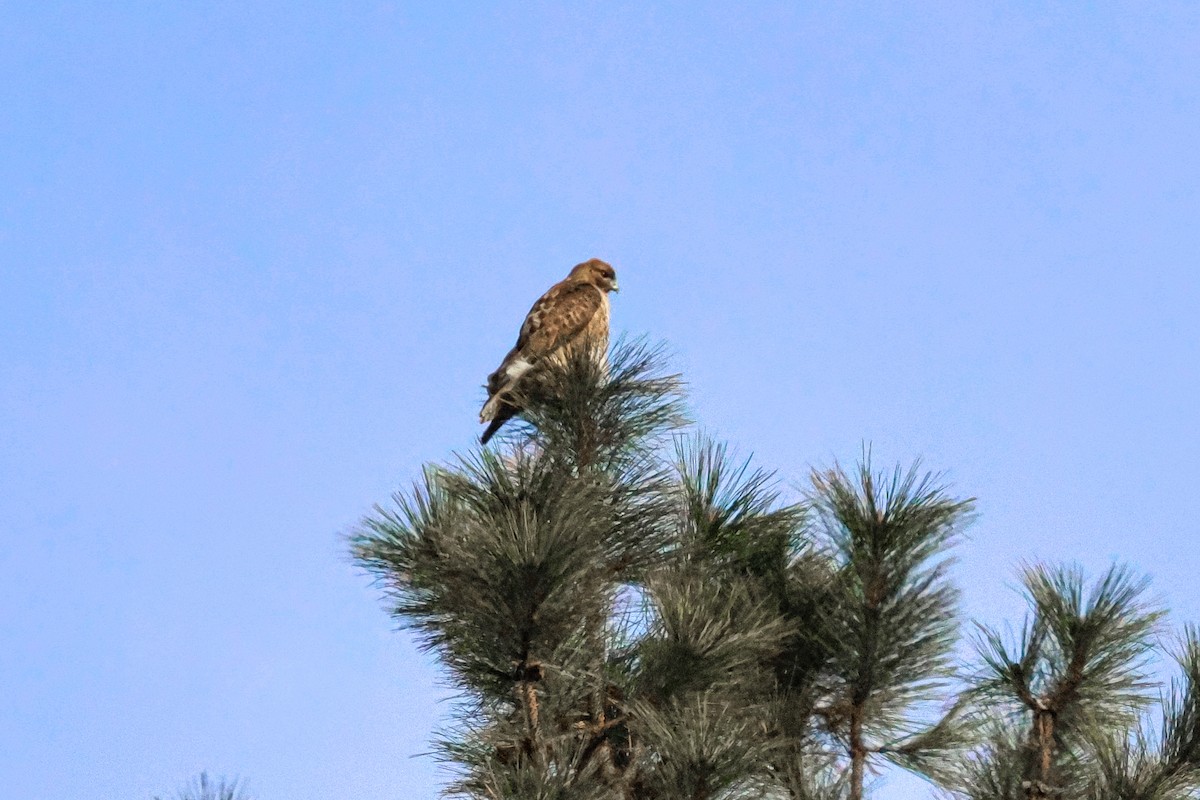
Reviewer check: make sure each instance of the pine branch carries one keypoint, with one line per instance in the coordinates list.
(732, 514)
(706, 635)
(601, 414)
(995, 770)
(892, 617)
(1132, 767)
(202, 788)
(495, 564)
(1076, 674)
(1181, 712)
(702, 747)
(933, 752)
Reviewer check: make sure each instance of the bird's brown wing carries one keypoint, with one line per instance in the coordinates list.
(556, 318)
(559, 314)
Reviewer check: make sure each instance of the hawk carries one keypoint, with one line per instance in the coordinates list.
(572, 314)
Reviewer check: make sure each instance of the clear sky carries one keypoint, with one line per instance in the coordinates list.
(257, 258)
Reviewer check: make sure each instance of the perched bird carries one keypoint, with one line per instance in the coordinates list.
(572, 314)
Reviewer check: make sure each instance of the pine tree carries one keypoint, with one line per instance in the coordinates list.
(892, 620)
(1067, 707)
(513, 565)
(630, 612)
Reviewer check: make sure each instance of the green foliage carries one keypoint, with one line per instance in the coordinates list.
(1181, 709)
(625, 622)
(891, 621)
(509, 565)
(996, 766)
(701, 746)
(607, 414)
(1081, 655)
(203, 788)
(705, 635)
(1136, 766)
(496, 564)
(1066, 703)
(731, 513)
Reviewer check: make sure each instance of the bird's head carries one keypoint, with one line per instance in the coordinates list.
(596, 272)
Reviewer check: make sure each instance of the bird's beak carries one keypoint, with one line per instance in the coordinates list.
(613, 285)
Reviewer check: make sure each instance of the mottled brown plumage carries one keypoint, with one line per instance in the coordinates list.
(572, 314)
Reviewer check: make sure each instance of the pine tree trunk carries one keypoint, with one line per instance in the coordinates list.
(530, 675)
(1040, 788)
(858, 754)
(596, 700)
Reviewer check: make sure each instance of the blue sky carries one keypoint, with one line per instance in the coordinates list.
(256, 260)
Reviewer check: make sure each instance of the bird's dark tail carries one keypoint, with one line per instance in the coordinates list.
(503, 414)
